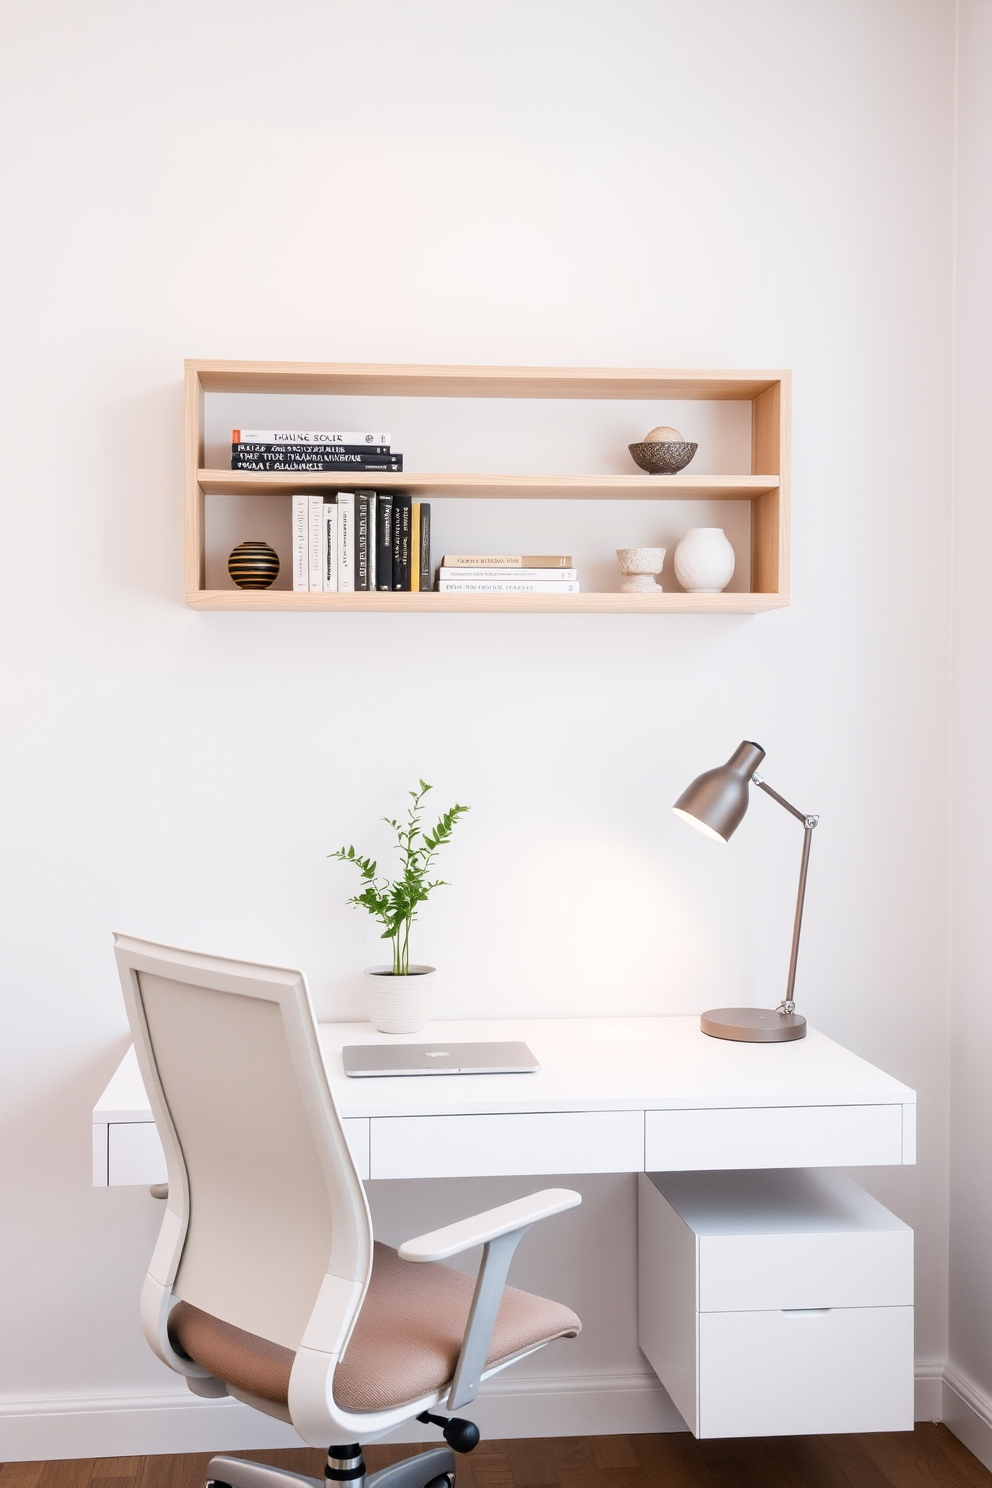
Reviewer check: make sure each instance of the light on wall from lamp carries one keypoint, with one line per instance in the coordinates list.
(715, 804)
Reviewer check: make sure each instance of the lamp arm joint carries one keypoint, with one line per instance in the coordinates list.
(809, 822)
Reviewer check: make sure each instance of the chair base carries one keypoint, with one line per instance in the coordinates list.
(421, 1471)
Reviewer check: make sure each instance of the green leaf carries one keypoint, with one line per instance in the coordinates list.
(394, 903)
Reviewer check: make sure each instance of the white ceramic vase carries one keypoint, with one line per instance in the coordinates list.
(704, 560)
(399, 1004)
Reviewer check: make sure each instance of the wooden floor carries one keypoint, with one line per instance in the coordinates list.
(929, 1457)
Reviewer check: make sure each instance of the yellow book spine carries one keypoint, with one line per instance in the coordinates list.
(415, 546)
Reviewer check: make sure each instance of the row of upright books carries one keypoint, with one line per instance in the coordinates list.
(357, 541)
(312, 450)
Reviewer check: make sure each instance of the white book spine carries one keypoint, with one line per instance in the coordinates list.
(330, 547)
(316, 542)
(517, 575)
(301, 543)
(507, 586)
(307, 436)
(373, 539)
(346, 542)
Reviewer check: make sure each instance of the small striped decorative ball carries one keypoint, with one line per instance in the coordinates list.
(253, 565)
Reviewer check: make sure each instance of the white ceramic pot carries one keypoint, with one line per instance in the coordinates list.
(399, 1004)
(704, 560)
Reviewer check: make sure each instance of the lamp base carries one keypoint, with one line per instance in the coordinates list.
(753, 1025)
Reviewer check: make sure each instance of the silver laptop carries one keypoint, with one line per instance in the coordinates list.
(362, 1060)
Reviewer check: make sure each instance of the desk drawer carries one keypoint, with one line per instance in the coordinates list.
(772, 1137)
(130, 1152)
(518, 1144)
(134, 1153)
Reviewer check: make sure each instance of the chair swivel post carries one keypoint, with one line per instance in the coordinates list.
(345, 1465)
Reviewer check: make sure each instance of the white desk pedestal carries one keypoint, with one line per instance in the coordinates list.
(776, 1303)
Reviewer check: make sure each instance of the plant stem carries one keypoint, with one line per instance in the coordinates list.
(394, 903)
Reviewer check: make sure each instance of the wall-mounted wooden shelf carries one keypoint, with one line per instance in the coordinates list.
(564, 487)
(436, 604)
(766, 487)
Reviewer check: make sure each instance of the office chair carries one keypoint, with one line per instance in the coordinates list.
(265, 1283)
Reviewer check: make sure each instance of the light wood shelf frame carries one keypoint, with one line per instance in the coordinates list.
(766, 488)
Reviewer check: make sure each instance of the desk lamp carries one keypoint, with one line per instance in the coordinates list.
(715, 803)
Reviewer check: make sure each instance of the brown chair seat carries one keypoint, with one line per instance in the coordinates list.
(405, 1344)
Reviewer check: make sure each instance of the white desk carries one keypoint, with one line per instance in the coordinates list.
(654, 1095)
(613, 1095)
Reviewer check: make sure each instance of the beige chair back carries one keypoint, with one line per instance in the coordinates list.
(264, 1199)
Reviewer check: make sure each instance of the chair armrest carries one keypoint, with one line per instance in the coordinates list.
(479, 1229)
(500, 1231)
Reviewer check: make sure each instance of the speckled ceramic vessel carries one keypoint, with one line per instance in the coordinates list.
(253, 565)
(659, 458)
(639, 567)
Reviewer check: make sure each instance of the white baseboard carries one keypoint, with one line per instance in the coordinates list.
(928, 1395)
(177, 1421)
(571, 1405)
(133, 1426)
(967, 1411)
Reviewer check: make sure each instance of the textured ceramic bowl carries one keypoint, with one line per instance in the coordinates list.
(659, 458)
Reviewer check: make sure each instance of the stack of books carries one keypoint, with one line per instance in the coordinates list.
(308, 449)
(360, 541)
(507, 573)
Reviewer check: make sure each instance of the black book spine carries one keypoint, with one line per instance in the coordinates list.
(311, 451)
(249, 462)
(362, 540)
(384, 542)
(402, 520)
(424, 556)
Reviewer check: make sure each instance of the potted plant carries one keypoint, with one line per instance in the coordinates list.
(399, 997)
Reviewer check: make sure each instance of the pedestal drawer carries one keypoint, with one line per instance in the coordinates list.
(807, 1372)
(776, 1302)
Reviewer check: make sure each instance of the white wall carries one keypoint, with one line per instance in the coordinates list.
(689, 183)
(969, 1396)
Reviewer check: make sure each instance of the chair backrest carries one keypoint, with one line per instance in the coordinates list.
(264, 1199)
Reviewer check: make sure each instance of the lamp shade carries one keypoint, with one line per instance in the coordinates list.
(716, 801)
